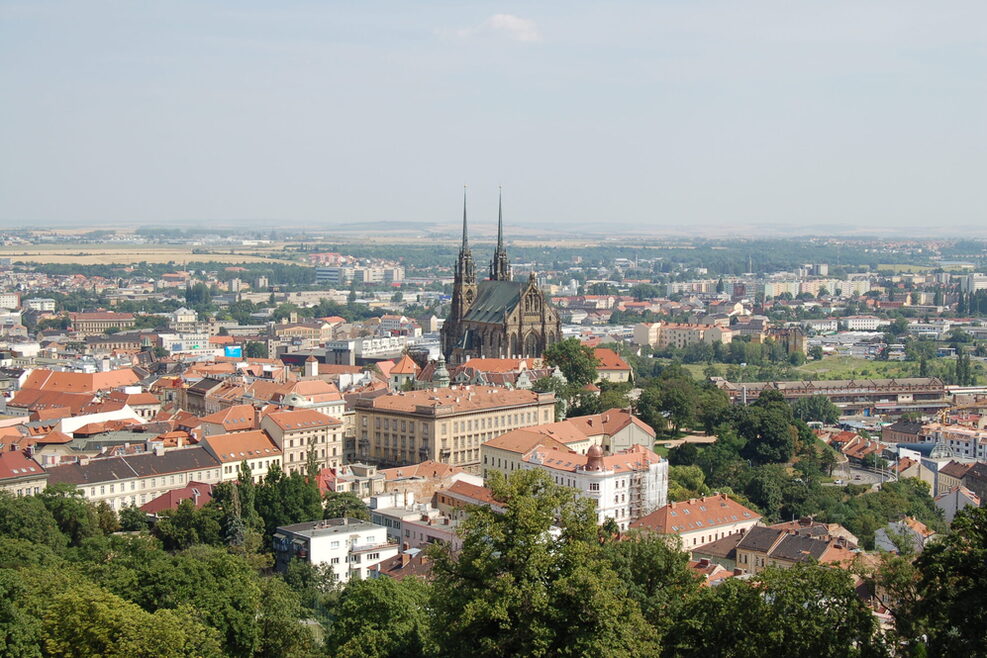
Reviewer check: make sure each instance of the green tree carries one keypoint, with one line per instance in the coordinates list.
(685, 482)
(952, 576)
(816, 408)
(382, 618)
(807, 610)
(280, 628)
(340, 504)
(255, 349)
(769, 434)
(133, 518)
(19, 631)
(89, 621)
(654, 569)
(187, 526)
(27, 517)
(518, 589)
(77, 518)
(576, 361)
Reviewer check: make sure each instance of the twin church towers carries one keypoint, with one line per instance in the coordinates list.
(498, 317)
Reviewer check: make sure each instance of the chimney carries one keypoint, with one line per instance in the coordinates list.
(405, 559)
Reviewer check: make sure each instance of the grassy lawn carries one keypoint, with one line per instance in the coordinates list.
(832, 367)
(844, 367)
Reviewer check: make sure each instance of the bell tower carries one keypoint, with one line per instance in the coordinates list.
(463, 289)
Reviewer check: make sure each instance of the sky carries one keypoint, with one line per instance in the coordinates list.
(665, 115)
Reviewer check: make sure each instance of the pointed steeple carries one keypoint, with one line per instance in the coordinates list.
(500, 218)
(465, 268)
(500, 266)
(466, 241)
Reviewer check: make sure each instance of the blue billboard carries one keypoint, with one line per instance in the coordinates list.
(233, 351)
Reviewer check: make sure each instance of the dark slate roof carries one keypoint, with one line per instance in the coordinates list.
(760, 539)
(977, 472)
(906, 427)
(800, 547)
(122, 468)
(494, 300)
(204, 385)
(724, 547)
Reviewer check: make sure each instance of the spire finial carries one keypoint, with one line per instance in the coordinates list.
(466, 241)
(500, 216)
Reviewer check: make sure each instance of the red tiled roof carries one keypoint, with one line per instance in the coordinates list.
(698, 513)
(609, 360)
(405, 366)
(14, 464)
(239, 446)
(302, 419)
(199, 493)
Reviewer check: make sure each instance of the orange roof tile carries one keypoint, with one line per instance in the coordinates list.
(302, 419)
(609, 360)
(710, 512)
(239, 446)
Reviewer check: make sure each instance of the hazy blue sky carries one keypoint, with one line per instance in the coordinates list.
(660, 113)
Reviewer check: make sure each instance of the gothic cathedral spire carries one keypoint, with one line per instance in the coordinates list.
(465, 268)
(463, 292)
(500, 266)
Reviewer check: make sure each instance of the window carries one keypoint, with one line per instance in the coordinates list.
(595, 486)
(334, 560)
(334, 544)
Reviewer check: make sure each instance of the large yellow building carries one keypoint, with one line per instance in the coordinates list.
(447, 425)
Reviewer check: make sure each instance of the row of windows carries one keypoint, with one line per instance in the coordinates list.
(152, 483)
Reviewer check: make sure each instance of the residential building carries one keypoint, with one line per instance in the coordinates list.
(10, 300)
(40, 304)
(349, 546)
(699, 521)
(137, 479)
(954, 500)
(951, 476)
(20, 475)
(254, 447)
(98, 323)
(199, 493)
(403, 374)
(763, 547)
(901, 431)
(614, 431)
(361, 480)
(238, 418)
(425, 479)
(625, 486)
(915, 533)
(447, 425)
(411, 562)
(864, 322)
(610, 366)
(961, 440)
(297, 433)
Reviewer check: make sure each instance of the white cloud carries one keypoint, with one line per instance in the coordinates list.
(507, 26)
(513, 27)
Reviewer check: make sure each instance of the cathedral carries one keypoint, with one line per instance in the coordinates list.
(499, 317)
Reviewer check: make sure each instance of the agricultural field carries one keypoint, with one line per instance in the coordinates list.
(100, 254)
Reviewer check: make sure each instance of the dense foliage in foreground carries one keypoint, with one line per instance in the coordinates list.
(539, 579)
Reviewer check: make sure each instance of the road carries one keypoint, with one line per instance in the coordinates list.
(850, 474)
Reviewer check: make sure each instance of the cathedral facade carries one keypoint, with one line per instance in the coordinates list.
(498, 317)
